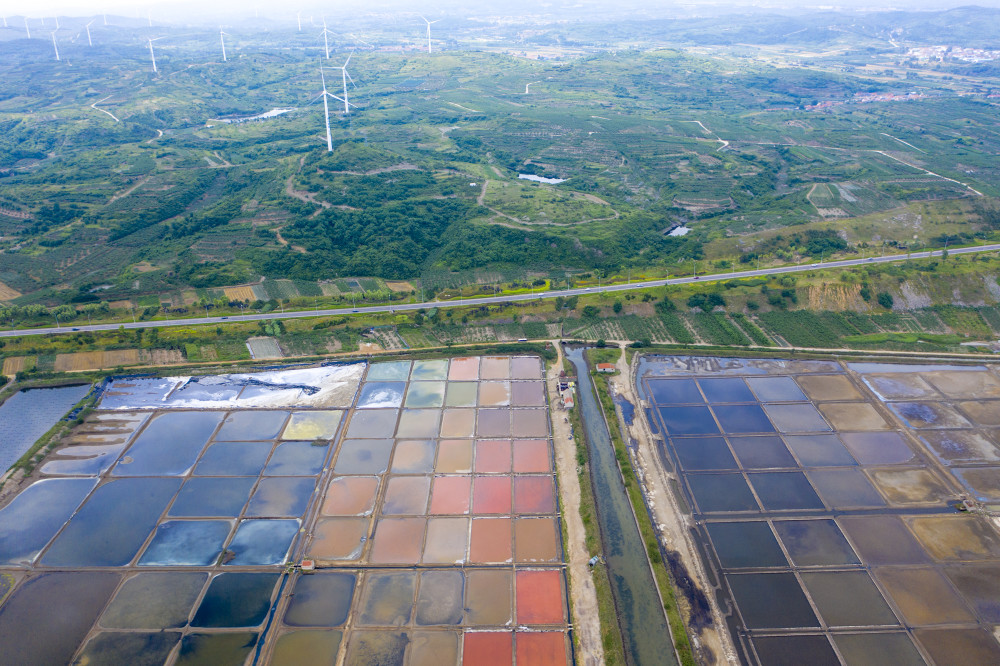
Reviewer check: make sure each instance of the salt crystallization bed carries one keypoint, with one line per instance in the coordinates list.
(824, 494)
(424, 491)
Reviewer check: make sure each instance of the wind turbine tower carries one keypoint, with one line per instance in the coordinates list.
(57, 23)
(326, 42)
(429, 32)
(149, 18)
(87, 27)
(326, 113)
(345, 76)
(26, 28)
(152, 56)
(222, 38)
(298, 17)
(54, 45)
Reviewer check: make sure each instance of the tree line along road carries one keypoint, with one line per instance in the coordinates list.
(715, 277)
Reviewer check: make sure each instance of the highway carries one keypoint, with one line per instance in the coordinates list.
(715, 277)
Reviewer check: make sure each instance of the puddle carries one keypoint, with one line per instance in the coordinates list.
(776, 389)
(84, 460)
(493, 457)
(811, 649)
(924, 596)
(536, 540)
(531, 455)
(980, 585)
(784, 491)
(313, 425)
(853, 416)
(35, 515)
(761, 452)
(491, 423)
(845, 488)
(387, 599)
(363, 456)
(306, 647)
(454, 457)
(425, 394)
(696, 420)
(435, 369)
(534, 494)
(135, 649)
(494, 394)
(746, 544)
(432, 648)
(186, 543)
(398, 540)
(375, 395)
(458, 423)
(539, 597)
(419, 423)
(796, 418)
(234, 459)
(297, 459)
(464, 369)
(716, 493)
(447, 540)
(819, 450)
(214, 649)
(154, 600)
(406, 495)
(815, 542)
(398, 370)
(236, 600)
(983, 482)
(528, 394)
(726, 389)
(414, 457)
(491, 494)
(829, 387)
(350, 496)
(877, 649)
(956, 537)
(112, 525)
(372, 424)
(251, 425)
(928, 415)
(488, 596)
(771, 601)
(461, 394)
(65, 604)
(440, 598)
(742, 418)
(451, 495)
(878, 448)
(959, 446)
(674, 391)
(376, 647)
(169, 445)
(321, 599)
(491, 540)
(975, 645)
(883, 540)
(212, 497)
(339, 539)
(910, 486)
(262, 542)
(525, 367)
(848, 599)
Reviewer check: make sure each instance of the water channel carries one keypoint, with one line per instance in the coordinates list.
(640, 615)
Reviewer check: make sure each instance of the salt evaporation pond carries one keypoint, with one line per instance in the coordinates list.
(428, 502)
(27, 415)
(824, 494)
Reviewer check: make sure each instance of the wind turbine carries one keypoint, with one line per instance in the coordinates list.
(152, 57)
(326, 42)
(87, 28)
(149, 18)
(26, 28)
(345, 76)
(326, 113)
(298, 17)
(429, 32)
(105, 19)
(222, 39)
(54, 45)
(57, 23)
(5, 21)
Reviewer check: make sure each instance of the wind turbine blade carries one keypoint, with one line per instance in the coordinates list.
(348, 60)
(350, 79)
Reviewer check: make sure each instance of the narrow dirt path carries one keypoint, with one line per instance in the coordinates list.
(122, 195)
(586, 621)
(281, 240)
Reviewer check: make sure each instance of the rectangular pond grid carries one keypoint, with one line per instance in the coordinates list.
(163, 529)
(825, 496)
